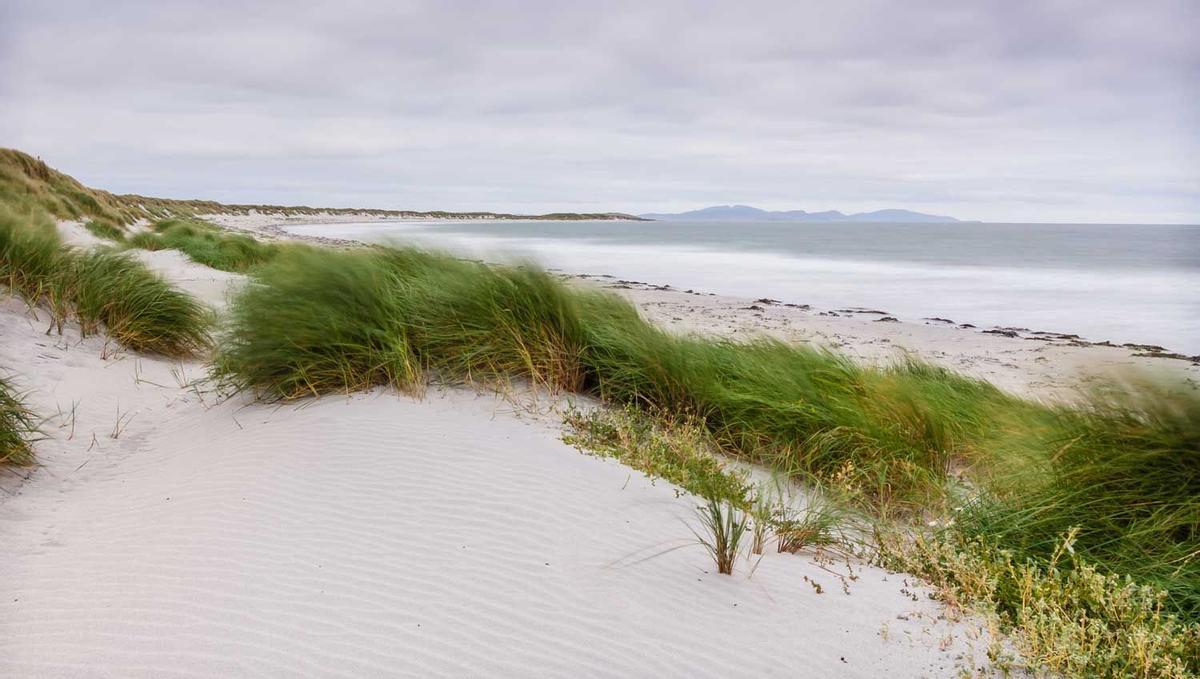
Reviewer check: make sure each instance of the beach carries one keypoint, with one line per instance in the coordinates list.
(170, 529)
(1033, 362)
(173, 531)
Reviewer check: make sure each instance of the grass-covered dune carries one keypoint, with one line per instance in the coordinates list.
(27, 182)
(1123, 467)
(98, 288)
(207, 244)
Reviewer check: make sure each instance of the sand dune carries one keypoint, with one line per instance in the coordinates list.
(384, 536)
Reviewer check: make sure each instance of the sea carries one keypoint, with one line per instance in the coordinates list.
(1122, 283)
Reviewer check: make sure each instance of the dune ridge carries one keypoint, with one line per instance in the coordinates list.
(384, 536)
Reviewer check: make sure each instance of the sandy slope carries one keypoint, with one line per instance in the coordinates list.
(169, 533)
(381, 536)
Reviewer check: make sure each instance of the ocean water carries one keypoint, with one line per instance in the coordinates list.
(1124, 283)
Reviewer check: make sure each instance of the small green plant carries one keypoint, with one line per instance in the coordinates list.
(722, 527)
(762, 513)
(1066, 616)
(18, 427)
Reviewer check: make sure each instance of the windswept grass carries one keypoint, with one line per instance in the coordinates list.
(27, 184)
(206, 244)
(137, 307)
(105, 230)
(98, 288)
(898, 441)
(1124, 473)
(18, 427)
(324, 321)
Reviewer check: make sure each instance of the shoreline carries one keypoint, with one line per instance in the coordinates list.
(407, 525)
(1027, 362)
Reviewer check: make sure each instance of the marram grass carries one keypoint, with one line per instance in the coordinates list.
(98, 288)
(896, 438)
(321, 321)
(137, 307)
(18, 427)
(206, 244)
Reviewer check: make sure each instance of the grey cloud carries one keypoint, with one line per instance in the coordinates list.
(1018, 110)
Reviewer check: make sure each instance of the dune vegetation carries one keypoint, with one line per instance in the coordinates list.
(27, 183)
(18, 427)
(98, 288)
(1117, 473)
(1076, 526)
(206, 244)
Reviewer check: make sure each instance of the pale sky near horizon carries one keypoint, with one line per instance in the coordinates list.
(998, 111)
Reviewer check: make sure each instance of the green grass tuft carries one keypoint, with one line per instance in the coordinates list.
(18, 427)
(206, 244)
(722, 528)
(99, 288)
(136, 306)
(105, 230)
(1123, 470)
(332, 321)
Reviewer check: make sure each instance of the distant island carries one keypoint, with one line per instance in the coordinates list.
(753, 214)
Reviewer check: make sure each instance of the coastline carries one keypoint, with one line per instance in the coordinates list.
(373, 532)
(1027, 362)
(171, 530)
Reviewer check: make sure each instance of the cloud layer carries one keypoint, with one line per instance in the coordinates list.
(1007, 110)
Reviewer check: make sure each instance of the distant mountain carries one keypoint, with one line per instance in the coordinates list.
(753, 214)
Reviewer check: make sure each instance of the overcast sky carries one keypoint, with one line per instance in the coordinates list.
(1002, 111)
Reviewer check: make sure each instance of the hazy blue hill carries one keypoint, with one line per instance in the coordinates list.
(748, 213)
(898, 216)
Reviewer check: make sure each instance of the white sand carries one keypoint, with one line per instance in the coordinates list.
(1040, 368)
(383, 536)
